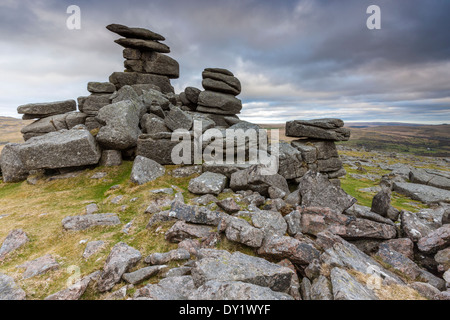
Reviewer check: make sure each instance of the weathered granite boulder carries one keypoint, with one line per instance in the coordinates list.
(121, 259)
(422, 193)
(171, 288)
(142, 274)
(62, 149)
(121, 125)
(178, 119)
(159, 147)
(219, 103)
(221, 82)
(208, 183)
(42, 110)
(83, 222)
(181, 231)
(12, 168)
(283, 247)
(92, 104)
(153, 124)
(161, 64)
(145, 170)
(326, 129)
(254, 179)
(271, 222)
(321, 289)
(317, 191)
(39, 266)
(15, 239)
(418, 225)
(101, 87)
(290, 162)
(241, 267)
(166, 257)
(422, 176)
(195, 214)
(111, 158)
(236, 290)
(315, 220)
(435, 240)
(53, 123)
(120, 79)
(75, 291)
(239, 230)
(9, 290)
(346, 287)
(405, 265)
(137, 33)
(143, 45)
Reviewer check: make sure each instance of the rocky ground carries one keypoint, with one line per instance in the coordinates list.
(94, 234)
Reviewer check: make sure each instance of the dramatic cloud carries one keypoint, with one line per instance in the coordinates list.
(295, 59)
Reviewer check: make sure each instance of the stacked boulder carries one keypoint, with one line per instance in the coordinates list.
(145, 60)
(100, 96)
(316, 144)
(218, 101)
(51, 117)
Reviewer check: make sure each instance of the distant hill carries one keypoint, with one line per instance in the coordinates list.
(380, 124)
(10, 130)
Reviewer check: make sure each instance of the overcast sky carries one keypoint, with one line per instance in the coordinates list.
(301, 59)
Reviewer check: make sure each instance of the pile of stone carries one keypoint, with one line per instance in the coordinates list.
(316, 144)
(51, 117)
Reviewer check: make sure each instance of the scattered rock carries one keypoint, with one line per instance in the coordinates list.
(236, 290)
(39, 266)
(146, 170)
(282, 247)
(171, 288)
(422, 193)
(92, 248)
(9, 290)
(77, 223)
(241, 231)
(15, 239)
(163, 258)
(121, 259)
(143, 274)
(229, 205)
(345, 287)
(435, 240)
(181, 231)
(208, 183)
(240, 267)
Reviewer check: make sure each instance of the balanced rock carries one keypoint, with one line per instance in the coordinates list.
(326, 129)
(144, 45)
(138, 33)
(42, 110)
(101, 87)
(219, 103)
